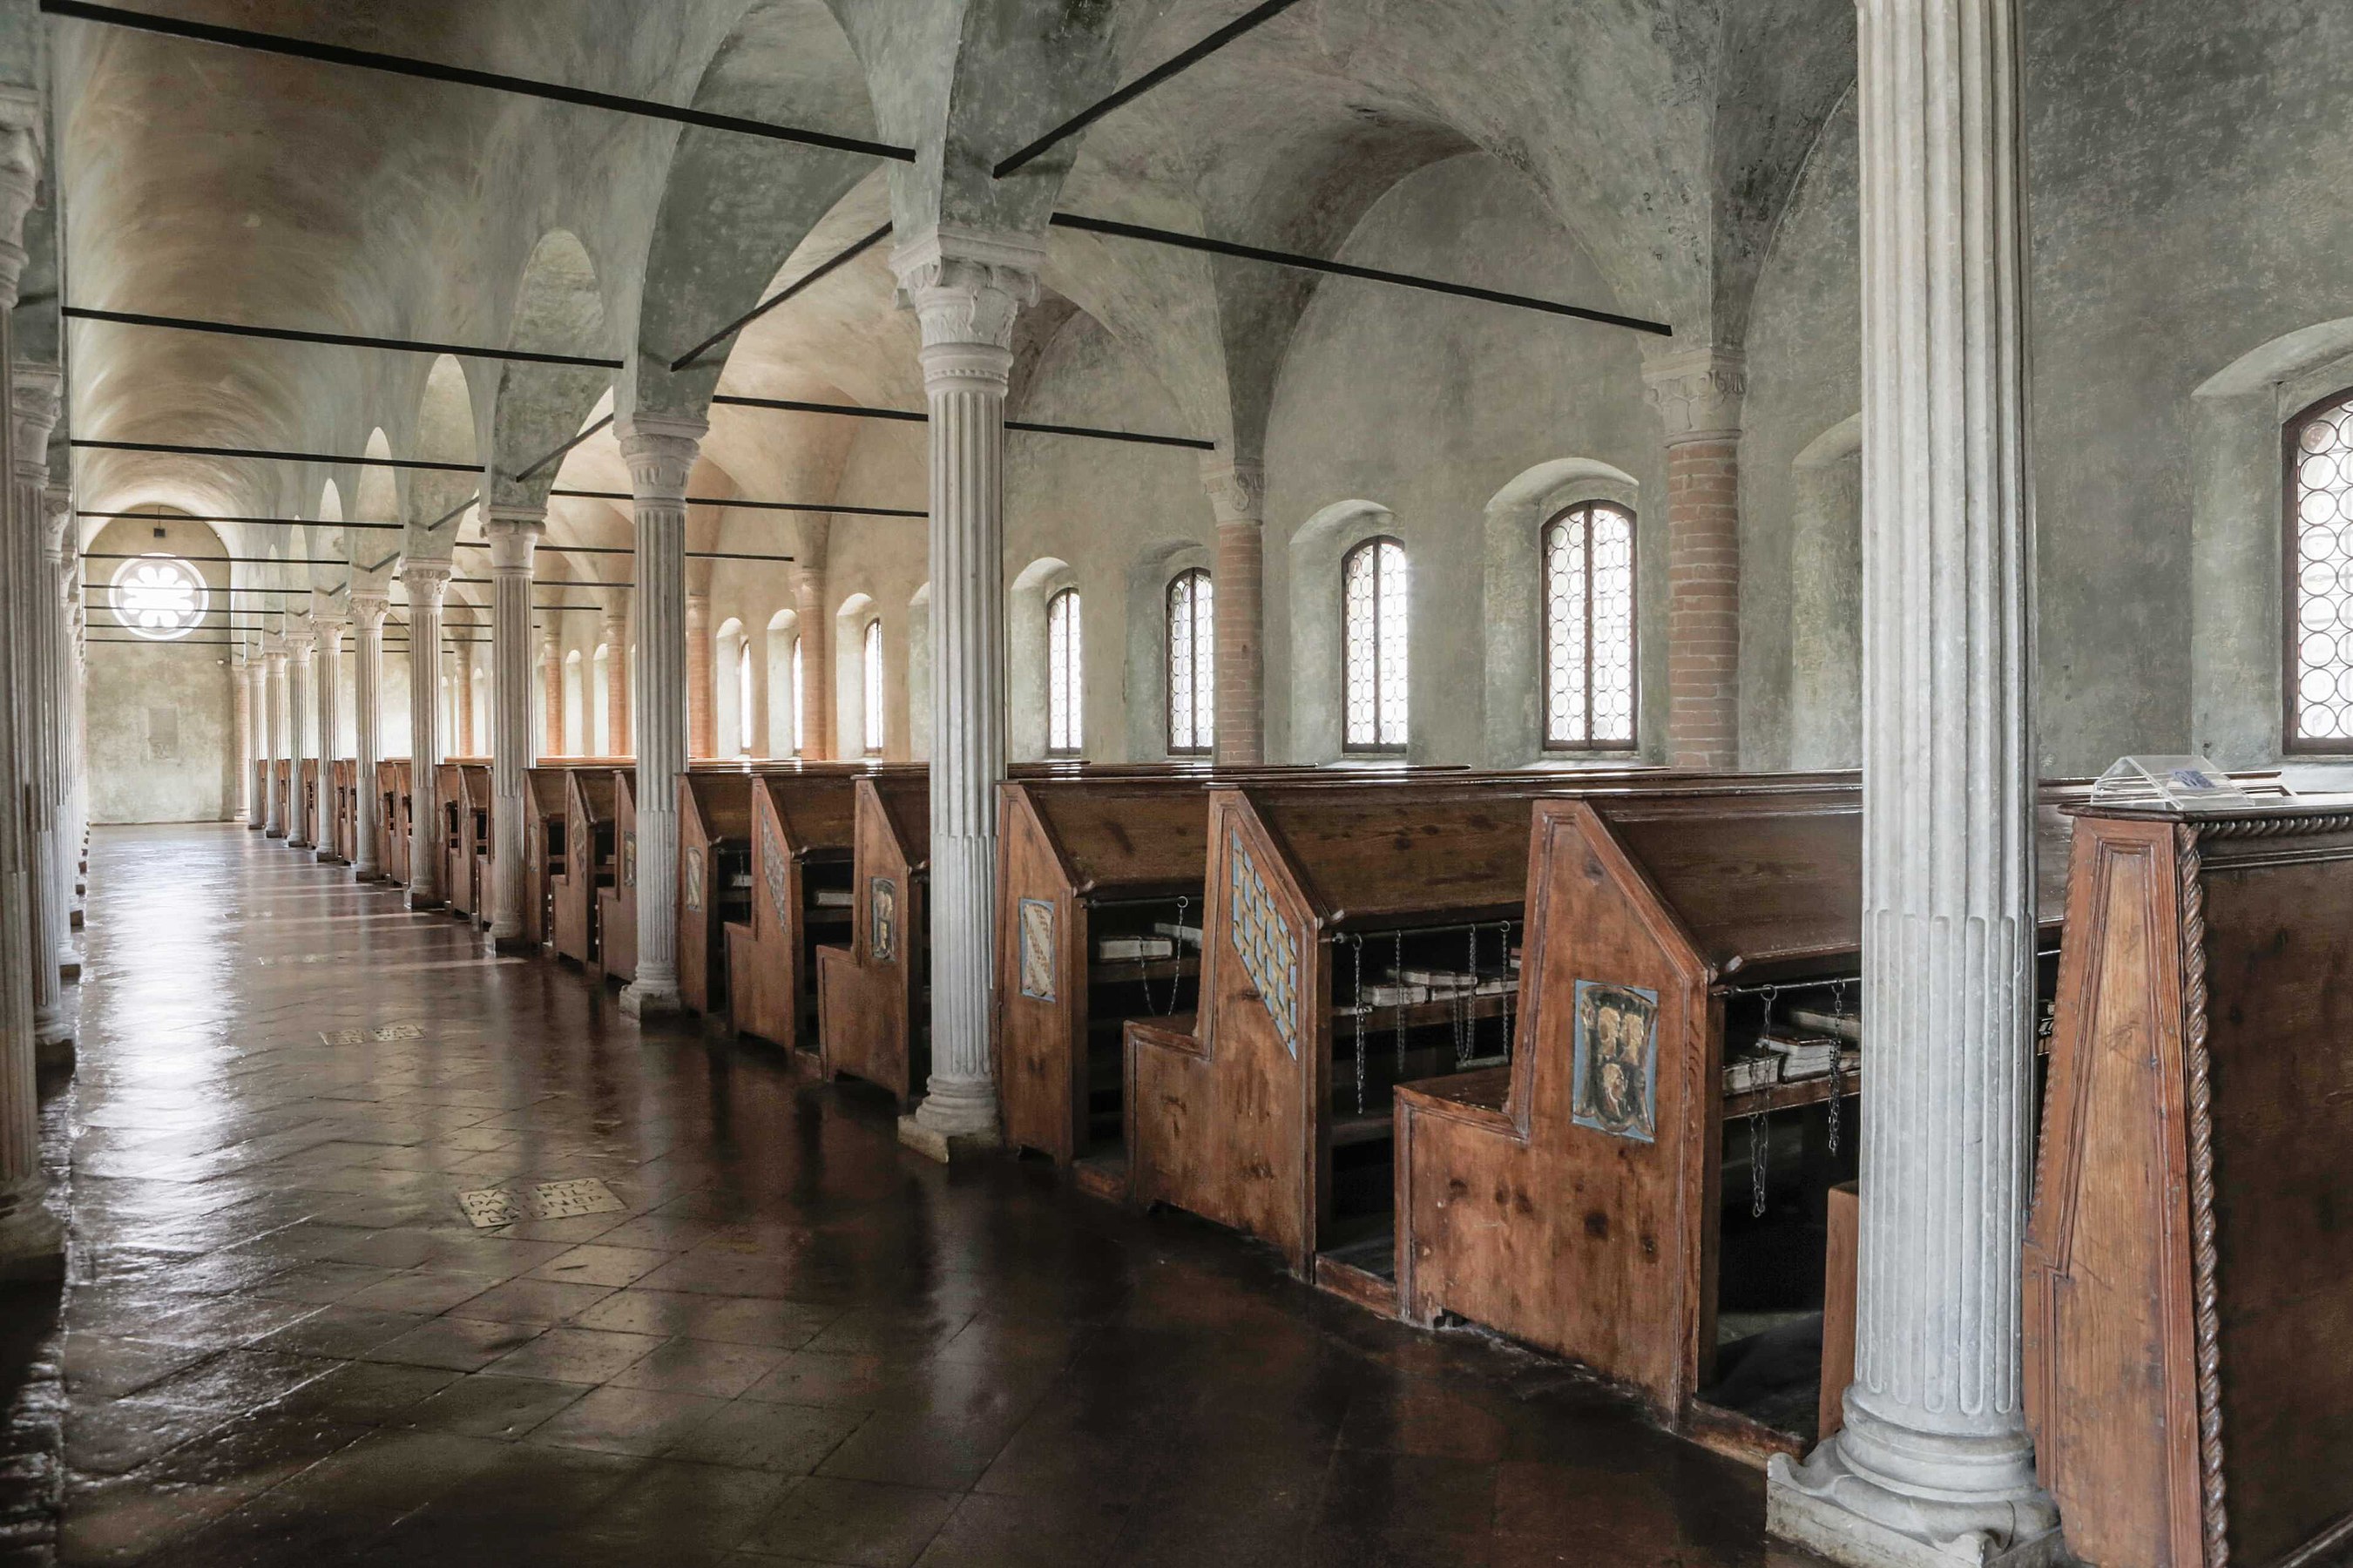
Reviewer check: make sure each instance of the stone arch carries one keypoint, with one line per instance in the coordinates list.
(447, 429)
(1511, 616)
(1315, 551)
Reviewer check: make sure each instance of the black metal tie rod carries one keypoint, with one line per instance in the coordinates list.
(180, 450)
(339, 339)
(433, 70)
(914, 416)
(1342, 269)
(1209, 45)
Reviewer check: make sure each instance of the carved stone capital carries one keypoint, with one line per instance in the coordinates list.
(514, 533)
(22, 134)
(661, 449)
(426, 581)
(369, 609)
(1237, 490)
(968, 289)
(57, 520)
(36, 395)
(1697, 395)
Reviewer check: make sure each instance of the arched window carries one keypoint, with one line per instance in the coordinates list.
(1373, 610)
(873, 678)
(1063, 684)
(1192, 664)
(744, 696)
(1588, 628)
(801, 703)
(2320, 592)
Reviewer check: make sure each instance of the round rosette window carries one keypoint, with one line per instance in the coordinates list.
(159, 597)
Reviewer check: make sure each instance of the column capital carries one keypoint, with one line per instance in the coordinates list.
(24, 135)
(1697, 394)
(514, 533)
(369, 608)
(661, 449)
(967, 288)
(301, 642)
(1237, 490)
(36, 396)
(327, 623)
(426, 581)
(57, 516)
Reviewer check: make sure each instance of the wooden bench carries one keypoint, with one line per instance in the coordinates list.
(1607, 1196)
(546, 804)
(393, 806)
(714, 880)
(803, 836)
(589, 864)
(282, 773)
(260, 770)
(1249, 1113)
(344, 840)
(873, 1021)
(475, 808)
(617, 898)
(313, 823)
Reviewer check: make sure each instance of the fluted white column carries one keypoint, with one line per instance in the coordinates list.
(325, 672)
(426, 581)
(241, 680)
(967, 291)
(300, 645)
(31, 1242)
(273, 733)
(514, 533)
(368, 609)
(34, 396)
(1933, 1453)
(55, 504)
(661, 453)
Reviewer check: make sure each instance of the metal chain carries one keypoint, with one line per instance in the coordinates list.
(1363, 1012)
(1511, 995)
(1759, 1143)
(1397, 976)
(1837, 1070)
(1176, 969)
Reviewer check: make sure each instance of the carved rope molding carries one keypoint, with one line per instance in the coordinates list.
(2190, 895)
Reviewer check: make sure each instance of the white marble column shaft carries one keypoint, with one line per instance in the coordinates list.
(301, 646)
(31, 1241)
(615, 627)
(241, 681)
(1934, 1462)
(35, 393)
(514, 533)
(327, 670)
(273, 733)
(426, 581)
(368, 611)
(661, 453)
(966, 293)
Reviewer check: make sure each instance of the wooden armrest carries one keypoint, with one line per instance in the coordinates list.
(1476, 1097)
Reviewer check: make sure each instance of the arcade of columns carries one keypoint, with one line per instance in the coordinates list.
(1934, 1463)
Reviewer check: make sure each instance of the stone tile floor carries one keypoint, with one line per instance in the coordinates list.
(283, 1343)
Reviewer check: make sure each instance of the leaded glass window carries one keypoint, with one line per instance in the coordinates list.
(1373, 604)
(872, 676)
(2320, 549)
(1192, 664)
(1063, 686)
(1588, 628)
(801, 703)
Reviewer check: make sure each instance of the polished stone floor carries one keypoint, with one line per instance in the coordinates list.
(284, 1342)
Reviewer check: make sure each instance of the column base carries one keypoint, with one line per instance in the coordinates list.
(329, 858)
(424, 900)
(273, 833)
(947, 1148)
(50, 1028)
(517, 946)
(31, 1241)
(1829, 1508)
(640, 1000)
(69, 965)
(364, 872)
(300, 843)
(54, 1055)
